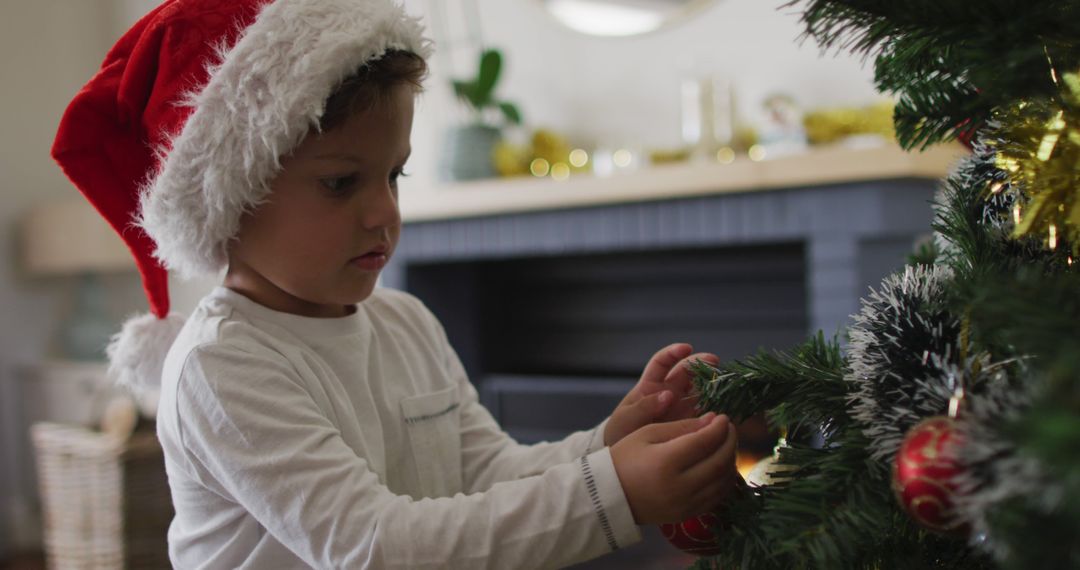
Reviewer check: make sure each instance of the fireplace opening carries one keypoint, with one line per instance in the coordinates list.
(553, 343)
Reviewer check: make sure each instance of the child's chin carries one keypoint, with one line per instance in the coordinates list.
(359, 293)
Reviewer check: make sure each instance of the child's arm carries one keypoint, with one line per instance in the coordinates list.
(260, 440)
(489, 455)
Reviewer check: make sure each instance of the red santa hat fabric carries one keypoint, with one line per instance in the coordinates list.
(182, 128)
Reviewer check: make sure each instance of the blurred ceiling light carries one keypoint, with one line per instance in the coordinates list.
(601, 18)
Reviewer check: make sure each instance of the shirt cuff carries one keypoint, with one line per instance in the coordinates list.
(596, 438)
(608, 500)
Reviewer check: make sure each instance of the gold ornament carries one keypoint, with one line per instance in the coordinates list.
(669, 156)
(550, 146)
(1039, 149)
(769, 470)
(547, 153)
(824, 126)
(510, 159)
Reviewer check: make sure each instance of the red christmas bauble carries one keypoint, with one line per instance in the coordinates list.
(694, 535)
(923, 474)
(966, 134)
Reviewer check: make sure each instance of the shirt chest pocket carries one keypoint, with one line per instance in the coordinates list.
(433, 425)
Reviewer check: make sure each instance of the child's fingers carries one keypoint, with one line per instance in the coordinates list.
(661, 363)
(679, 377)
(716, 466)
(646, 410)
(685, 406)
(714, 494)
(679, 381)
(659, 433)
(690, 449)
(709, 488)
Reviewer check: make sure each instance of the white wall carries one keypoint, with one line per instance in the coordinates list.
(607, 91)
(617, 91)
(48, 50)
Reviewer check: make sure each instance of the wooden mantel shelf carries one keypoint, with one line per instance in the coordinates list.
(819, 166)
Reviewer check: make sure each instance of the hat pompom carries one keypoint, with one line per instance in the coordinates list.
(137, 356)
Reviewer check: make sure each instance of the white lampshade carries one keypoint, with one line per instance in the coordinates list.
(69, 237)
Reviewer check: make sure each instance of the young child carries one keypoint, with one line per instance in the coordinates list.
(307, 417)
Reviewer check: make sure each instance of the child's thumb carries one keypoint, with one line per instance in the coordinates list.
(659, 433)
(648, 409)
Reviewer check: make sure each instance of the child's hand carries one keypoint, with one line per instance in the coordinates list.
(676, 470)
(663, 394)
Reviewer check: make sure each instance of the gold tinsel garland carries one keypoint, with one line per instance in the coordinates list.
(1038, 146)
(829, 125)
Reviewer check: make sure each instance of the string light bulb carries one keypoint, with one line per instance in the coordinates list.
(579, 158)
(725, 155)
(539, 167)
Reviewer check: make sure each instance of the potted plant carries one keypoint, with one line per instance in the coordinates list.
(468, 153)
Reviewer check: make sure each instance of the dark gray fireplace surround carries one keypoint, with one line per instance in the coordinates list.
(554, 313)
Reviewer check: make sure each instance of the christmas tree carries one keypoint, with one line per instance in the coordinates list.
(945, 432)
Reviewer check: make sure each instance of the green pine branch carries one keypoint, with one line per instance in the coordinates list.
(805, 385)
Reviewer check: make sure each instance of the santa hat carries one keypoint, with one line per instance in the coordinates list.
(182, 129)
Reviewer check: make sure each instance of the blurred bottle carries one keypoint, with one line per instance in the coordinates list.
(708, 115)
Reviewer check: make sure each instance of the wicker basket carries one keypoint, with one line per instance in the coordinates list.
(106, 501)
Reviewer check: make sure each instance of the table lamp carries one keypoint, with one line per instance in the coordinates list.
(69, 239)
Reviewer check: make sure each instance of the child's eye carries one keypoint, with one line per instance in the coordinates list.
(338, 186)
(395, 175)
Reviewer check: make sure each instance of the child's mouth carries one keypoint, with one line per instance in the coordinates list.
(371, 261)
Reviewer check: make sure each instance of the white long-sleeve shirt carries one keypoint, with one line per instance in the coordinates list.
(358, 442)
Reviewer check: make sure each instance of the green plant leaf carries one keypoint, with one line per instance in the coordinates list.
(490, 67)
(511, 112)
(466, 90)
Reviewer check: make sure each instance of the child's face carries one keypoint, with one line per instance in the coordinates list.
(331, 222)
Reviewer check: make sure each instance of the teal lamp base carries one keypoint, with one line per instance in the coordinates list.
(87, 332)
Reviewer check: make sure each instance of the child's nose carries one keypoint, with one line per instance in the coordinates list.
(381, 209)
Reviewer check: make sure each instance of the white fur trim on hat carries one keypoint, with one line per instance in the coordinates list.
(137, 355)
(268, 92)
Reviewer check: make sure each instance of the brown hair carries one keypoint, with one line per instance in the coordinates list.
(363, 89)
